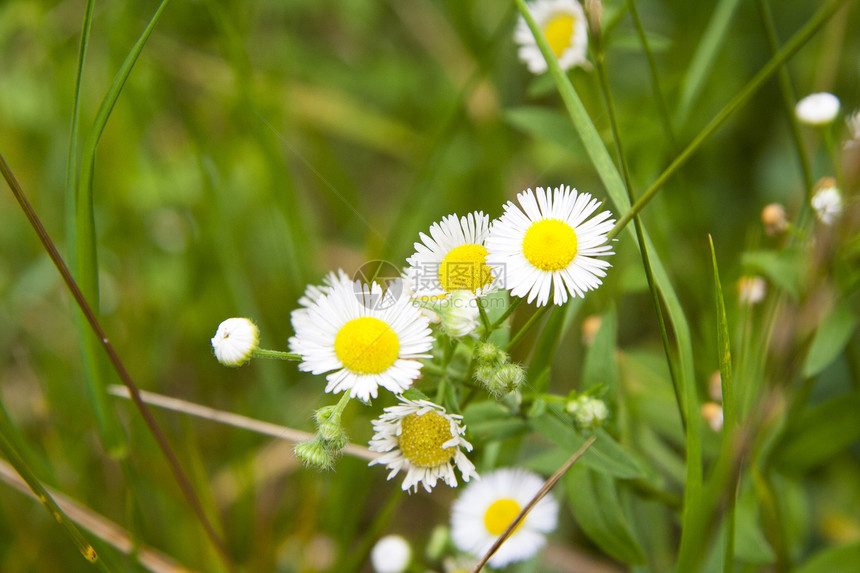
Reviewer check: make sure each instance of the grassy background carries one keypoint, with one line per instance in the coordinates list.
(256, 145)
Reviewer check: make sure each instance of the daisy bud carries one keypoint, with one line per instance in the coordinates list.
(713, 415)
(817, 109)
(329, 427)
(715, 387)
(459, 313)
(827, 201)
(590, 326)
(588, 412)
(391, 554)
(751, 290)
(490, 354)
(510, 377)
(314, 453)
(773, 219)
(235, 341)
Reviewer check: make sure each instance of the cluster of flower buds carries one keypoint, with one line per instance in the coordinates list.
(495, 371)
(329, 440)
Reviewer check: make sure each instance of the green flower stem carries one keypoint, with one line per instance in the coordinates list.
(87, 550)
(485, 320)
(789, 49)
(508, 311)
(341, 405)
(277, 354)
(533, 319)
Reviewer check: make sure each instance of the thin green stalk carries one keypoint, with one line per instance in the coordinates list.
(533, 319)
(276, 354)
(45, 498)
(789, 49)
(788, 98)
(508, 311)
(125, 377)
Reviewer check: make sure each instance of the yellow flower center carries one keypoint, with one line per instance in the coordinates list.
(421, 439)
(500, 515)
(465, 268)
(559, 32)
(366, 345)
(549, 244)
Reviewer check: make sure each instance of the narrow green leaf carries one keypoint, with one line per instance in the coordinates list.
(543, 123)
(703, 59)
(606, 455)
(819, 434)
(594, 501)
(490, 421)
(840, 558)
(831, 338)
(553, 331)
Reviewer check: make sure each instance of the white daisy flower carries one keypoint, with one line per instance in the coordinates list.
(564, 26)
(422, 438)
(391, 554)
(452, 258)
(364, 346)
(547, 246)
(827, 201)
(487, 507)
(817, 109)
(235, 341)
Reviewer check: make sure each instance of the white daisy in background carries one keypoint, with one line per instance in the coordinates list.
(487, 507)
(563, 25)
(547, 248)
(235, 341)
(422, 438)
(817, 109)
(827, 201)
(364, 346)
(391, 554)
(452, 258)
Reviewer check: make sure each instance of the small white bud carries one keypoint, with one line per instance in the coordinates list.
(827, 201)
(773, 218)
(817, 109)
(588, 412)
(713, 415)
(751, 290)
(459, 313)
(235, 341)
(391, 554)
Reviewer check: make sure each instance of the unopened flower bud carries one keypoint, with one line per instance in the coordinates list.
(391, 554)
(510, 377)
(817, 109)
(773, 218)
(827, 201)
(588, 412)
(490, 354)
(751, 290)
(235, 341)
(590, 326)
(459, 313)
(713, 415)
(314, 453)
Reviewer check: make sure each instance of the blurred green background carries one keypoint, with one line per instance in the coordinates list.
(259, 144)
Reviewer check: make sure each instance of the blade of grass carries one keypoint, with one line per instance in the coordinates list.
(98, 525)
(703, 59)
(789, 49)
(729, 406)
(45, 498)
(86, 309)
(86, 259)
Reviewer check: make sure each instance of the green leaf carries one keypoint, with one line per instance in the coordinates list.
(594, 502)
(841, 558)
(601, 366)
(488, 420)
(830, 338)
(543, 123)
(553, 331)
(819, 433)
(606, 455)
